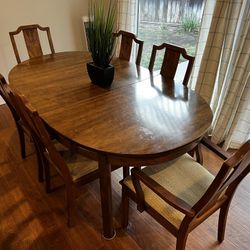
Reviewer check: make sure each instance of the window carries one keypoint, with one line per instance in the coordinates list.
(171, 21)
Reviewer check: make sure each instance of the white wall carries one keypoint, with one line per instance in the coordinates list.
(62, 16)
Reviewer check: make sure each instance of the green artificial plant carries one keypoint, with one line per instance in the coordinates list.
(102, 24)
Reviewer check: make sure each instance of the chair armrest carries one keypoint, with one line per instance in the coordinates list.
(215, 148)
(137, 175)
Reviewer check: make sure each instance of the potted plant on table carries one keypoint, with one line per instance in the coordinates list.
(101, 41)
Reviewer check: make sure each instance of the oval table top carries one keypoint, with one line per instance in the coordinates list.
(141, 114)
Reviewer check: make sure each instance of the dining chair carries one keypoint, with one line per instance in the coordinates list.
(182, 193)
(74, 168)
(19, 125)
(171, 60)
(32, 40)
(22, 129)
(127, 39)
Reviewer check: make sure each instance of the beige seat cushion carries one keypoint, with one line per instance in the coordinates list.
(78, 165)
(183, 177)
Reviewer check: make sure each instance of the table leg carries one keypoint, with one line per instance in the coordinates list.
(106, 197)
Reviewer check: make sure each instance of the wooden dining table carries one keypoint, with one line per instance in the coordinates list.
(141, 119)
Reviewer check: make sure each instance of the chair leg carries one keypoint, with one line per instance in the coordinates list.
(69, 202)
(39, 156)
(125, 208)
(223, 220)
(125, 171)
(181, 241)
(40, 168)
(22, 140)
(47, 175)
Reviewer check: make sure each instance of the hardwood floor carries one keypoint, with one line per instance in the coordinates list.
(32, 219)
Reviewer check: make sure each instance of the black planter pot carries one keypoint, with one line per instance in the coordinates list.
(102, 77)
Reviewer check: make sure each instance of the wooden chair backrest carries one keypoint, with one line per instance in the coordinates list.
(32, 40)
(126, 46)
(171, 60)
(35, 124)
(4, 92)
(233, 170)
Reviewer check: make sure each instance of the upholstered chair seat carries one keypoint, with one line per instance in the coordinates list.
(79, 166)
(195, 180)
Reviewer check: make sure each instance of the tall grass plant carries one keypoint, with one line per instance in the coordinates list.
(102, 24)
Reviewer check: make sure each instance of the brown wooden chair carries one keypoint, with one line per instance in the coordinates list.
(171, 61)
(32, 40)
(22, 129)
(181, 193)
(74, 168)
(127, 39)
